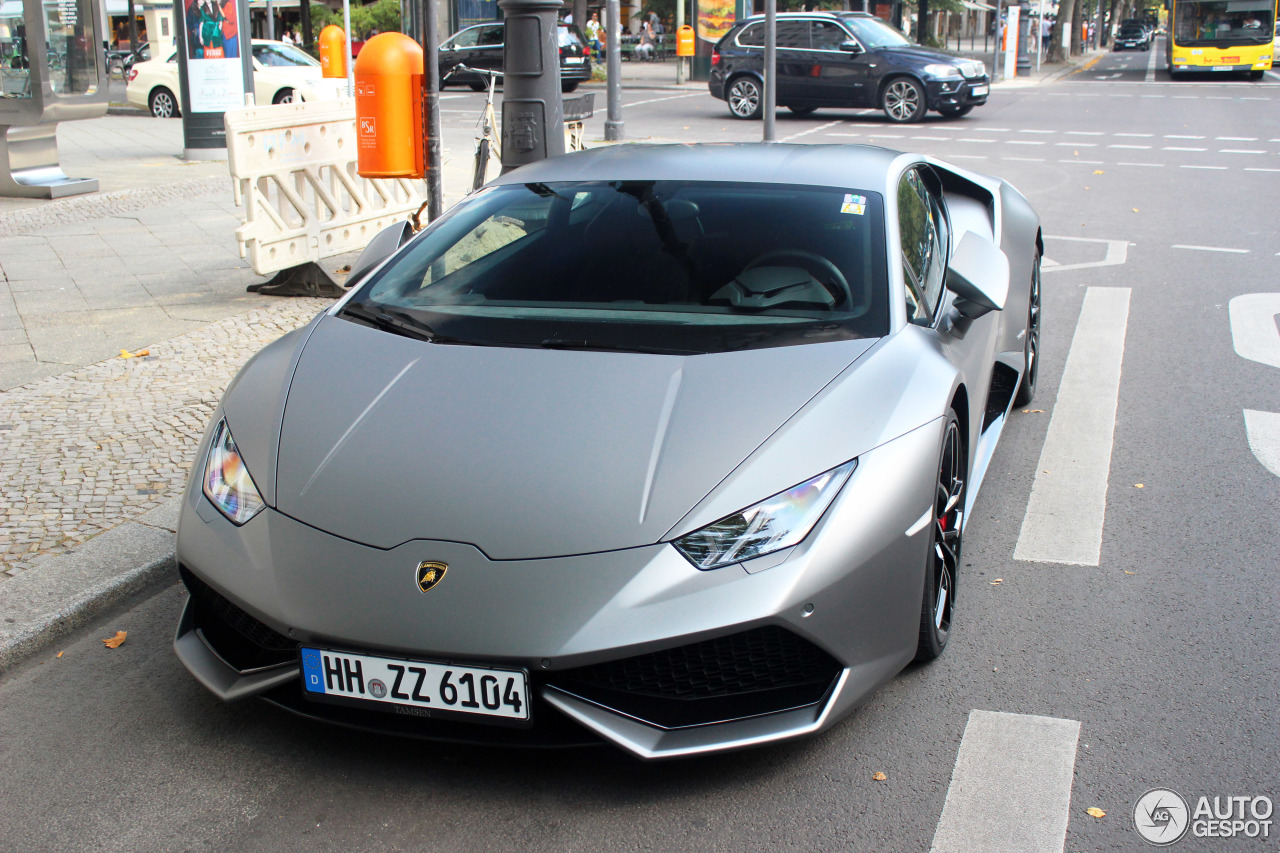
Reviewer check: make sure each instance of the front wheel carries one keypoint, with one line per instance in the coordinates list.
(956, 110)
(903, 101)
(802, 111)
(943, 559)
(1031, 344)
(482, 164)
(568, 85)
(162, 103)
(285, 96)
(1255, 75)
(745, 98)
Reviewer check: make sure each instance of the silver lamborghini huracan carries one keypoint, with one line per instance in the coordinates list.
(665, 446)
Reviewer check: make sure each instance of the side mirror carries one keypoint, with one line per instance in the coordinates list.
(978, 275)
(851, 47)
(381, 247)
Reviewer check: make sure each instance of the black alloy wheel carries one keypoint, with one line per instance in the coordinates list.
(162, 103)
(1031, 346)
(745, 98)
(903, 101)
(944, 547)
(955, 110)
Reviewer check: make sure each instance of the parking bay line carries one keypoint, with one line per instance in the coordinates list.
(1068, 503)
(1211, 249)
(1011, 785)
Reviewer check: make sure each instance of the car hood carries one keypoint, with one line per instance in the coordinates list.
(919, 55)
(525, 453)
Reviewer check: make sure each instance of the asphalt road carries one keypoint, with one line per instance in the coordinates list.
(1165, 652)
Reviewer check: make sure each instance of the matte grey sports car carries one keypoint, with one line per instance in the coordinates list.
(666, 446)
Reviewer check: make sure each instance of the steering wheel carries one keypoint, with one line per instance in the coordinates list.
(842, 292)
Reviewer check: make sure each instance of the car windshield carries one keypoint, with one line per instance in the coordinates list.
(282, 55)
(648, 266)
(873, 33)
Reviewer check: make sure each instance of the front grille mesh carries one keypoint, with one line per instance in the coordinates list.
(765, 658)
(239, 638)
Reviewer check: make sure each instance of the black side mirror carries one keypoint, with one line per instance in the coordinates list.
(381, 247)
(851, 47)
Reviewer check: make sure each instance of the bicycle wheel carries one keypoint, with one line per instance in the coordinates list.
(482, 164)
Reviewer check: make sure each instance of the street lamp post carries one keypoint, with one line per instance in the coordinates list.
(770, 70)
(613, 41)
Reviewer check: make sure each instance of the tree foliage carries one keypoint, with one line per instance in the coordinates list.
(382, 15)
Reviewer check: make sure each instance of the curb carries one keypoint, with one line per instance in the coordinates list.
(70, 590)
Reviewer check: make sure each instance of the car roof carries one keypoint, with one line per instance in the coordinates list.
(865, 167)
(828, 15)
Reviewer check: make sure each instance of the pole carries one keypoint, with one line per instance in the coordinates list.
(271, 22)
(770, 70)
(532, 107)
(679, 24)
(995, 54)
(346, 45)
(432, 156)
(613, 130)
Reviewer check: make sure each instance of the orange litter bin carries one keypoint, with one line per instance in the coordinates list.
(389, 136)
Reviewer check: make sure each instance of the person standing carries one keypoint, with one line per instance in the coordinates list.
(593, 35)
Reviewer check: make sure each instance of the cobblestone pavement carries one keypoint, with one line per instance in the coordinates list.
(85, 450)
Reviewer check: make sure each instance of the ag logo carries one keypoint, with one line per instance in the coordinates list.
(430, 573)
(1161, 816)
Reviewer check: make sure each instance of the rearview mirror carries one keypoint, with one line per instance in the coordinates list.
(851, 47)
(978, 275)
(381, 247)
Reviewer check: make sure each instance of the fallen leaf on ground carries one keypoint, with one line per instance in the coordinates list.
(124, 353)
(60, 654)
(1094, 811)
(1138, 486)
(1098, 172)
(114, 642)
(997, 581)
(344, 268)
(878, 776)
(1033, 411)
(1135, 210)
(1127, 572)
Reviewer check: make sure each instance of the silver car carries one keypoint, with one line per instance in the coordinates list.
(670, 447)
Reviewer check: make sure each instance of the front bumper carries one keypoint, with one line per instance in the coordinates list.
(633, 647)
(968, 92)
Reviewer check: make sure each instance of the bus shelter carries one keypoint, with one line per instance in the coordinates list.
(52, 69)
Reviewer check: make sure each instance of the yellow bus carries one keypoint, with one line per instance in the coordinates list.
(1221, 35)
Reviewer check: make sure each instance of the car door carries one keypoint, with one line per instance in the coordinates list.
(842, 76)
(487, 53)
(795, 60)
(458, 49)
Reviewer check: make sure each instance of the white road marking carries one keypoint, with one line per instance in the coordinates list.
(1026, 142)
(933, 138)
(1258, 169)
(1085, 133)
(1151, 68)
(1235, 138)
(1240, 151)
(1262, 431)
(992, 129)
(1253, 327)
(1180, 148)
(967, 157)
(1076, 144)
(1147, 165)
(1137, 135)
(1085, 162)
(812, 130)
(1134, 147)
(1216, 168)
(1273, 75)
(656, 100)
(1068, 504)
(1011, 785)
(1181, 136)
(844, 134)
(1037, 131)
(1212, 249)
(1025, 159)
(975, 140)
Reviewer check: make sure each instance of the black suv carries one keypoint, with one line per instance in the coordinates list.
(482, 46)
(844, 59)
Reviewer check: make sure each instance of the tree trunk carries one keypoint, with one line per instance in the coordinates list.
(580, 14)
(1061, 27)
(922, 22)
(1107, 23)
(133, 28)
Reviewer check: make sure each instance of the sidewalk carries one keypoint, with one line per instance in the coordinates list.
(94, 448)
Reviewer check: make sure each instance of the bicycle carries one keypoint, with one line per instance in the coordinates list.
(487, 144)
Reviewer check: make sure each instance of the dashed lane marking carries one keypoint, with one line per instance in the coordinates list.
(1011, 785)
(1151, 68)
(1259, 169)
(656, 100)
(1235, 139)
(1214, 168)
(1085, 133)
(1212, 249)
(1133, 147)
(812, 130)
(1145, 165)
(1241, 151)
(1181, 148)
(1068, 504)
(1026, 142)
(1136, 135)
(1076, 144)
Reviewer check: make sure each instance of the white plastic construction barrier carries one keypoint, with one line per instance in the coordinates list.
(294, 168)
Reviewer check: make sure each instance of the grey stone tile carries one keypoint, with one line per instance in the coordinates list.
(11, 338)
(17, 374)
(15, 350)
(72, 344)
(58, 319)
(50, 301)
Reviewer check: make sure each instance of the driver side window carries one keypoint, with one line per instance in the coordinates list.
(921, 229)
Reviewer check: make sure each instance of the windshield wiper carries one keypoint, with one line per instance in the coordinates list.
(399, 323)
(605, 346)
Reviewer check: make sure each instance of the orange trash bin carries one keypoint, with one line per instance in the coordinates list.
(388, 80)
(684, 41)
(333, 52)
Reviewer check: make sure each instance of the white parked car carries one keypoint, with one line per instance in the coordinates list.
(282, 73)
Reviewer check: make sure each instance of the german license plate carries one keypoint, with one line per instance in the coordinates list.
(1222, 68)
(980, 90)
(573, 60)
(417, 688)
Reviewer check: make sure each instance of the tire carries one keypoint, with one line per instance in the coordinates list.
(956, 111)
(802, 111)
(1255, 75)
(943, 558)
(745, 97)
(162, 103)
(285, 96)
(567, 86)
(482, 165)
(1031, 345)
(903, 100)
(478, 86)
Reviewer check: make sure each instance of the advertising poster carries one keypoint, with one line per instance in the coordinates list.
(213, 67)
(715, 17)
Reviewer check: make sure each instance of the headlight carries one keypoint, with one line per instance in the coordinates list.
(227, 483)
(940, 71)
(771, 525)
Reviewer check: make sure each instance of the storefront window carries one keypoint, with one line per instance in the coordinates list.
(71, 50)
(15, 65)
